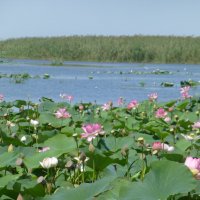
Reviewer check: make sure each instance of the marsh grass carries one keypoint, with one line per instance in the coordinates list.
(151, 49)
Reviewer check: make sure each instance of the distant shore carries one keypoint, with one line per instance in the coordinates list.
(140, 49)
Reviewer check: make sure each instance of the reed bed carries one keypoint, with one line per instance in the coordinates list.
(145, 49)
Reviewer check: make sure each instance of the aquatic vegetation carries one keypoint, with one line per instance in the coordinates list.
(46, 76)
(20, 78)
(190, 83)
(53, 150)
(138, 49)
(167, 84)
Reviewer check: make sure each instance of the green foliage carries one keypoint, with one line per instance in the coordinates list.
(118, 164)
(160, 182)
(155, 49)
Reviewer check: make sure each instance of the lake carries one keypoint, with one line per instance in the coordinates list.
(92, 81)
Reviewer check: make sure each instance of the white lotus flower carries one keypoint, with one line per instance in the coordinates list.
(23, 138)
(34, 122)
(49, 162)
(191, 137)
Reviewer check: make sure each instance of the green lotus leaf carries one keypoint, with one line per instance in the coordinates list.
(8, 178)
(86, 191)
(166, 178)
(59, 144)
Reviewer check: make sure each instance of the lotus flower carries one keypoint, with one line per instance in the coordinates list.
(91, 131)
(191, 137)
(153, 97)
(44, 149)
(132, 105)
(120, 101)
(161, 113)
(167, 119)
(162, 146)
(67, 97)
(185, 92)
(49, 162)
(34, 122)
(107, 106)
(1, 97)
(194, 165)
(62, 113)
(196, 125)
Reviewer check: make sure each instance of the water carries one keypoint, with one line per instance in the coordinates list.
(107, 83)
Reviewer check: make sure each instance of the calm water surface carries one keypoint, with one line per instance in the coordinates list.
(110, 80)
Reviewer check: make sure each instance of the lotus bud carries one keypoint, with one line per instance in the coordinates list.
(23, 138)
(176, 117)
(20, 197)
(21, 108)
(124, 151)
(41, 180)
(82, 156)
(81, 108)
(10, 148)
(141, 140)
(91, 147)
(112, 131)
(19, 162)
(10, 124)
(35, 136)
(70, 165)
(75, 135)
(142, 156)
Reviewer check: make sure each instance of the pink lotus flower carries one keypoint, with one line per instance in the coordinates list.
(132, 105)
(153, 97)
(196, 125)
(1, 97)
(107, 106)
(120, 101)
(62, 113)
(162, 146)
(91, 131)
(44, 149)
(194, 165)
(167, 119)
(67, 97)
(81, 107)
(185, 92)
(161, 113)
(171, 109)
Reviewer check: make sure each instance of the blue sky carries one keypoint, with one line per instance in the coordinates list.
(27, 18)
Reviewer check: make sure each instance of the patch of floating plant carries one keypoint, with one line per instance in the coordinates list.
(157, 72)
(20, 78)
(167, 84)
(190, 83)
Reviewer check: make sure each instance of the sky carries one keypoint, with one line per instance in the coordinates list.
(36, 18)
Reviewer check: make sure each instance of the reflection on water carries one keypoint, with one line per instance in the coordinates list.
(88, 81)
